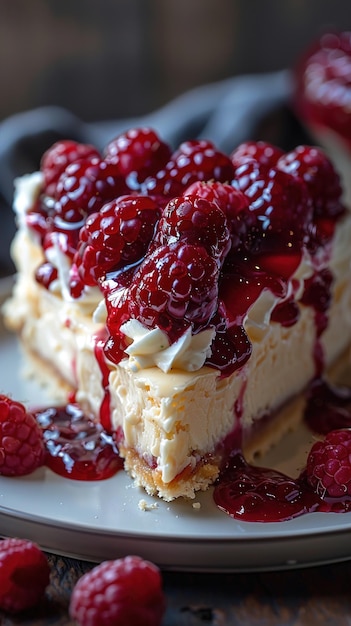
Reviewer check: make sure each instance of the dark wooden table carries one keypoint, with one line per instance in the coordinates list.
(302, 597)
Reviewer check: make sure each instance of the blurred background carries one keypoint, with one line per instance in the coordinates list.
(111, 59)
(108, 60)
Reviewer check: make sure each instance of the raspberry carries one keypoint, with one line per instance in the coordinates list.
(323, 183)
(196, 221)
(279, 202)
(139, 153)
(118, 235)
(174, 287)
(192, 161)
(328, 467)
(127, 592)
(24, 574)
(55, 160)
(22, 448)
(84, 187)
(262, 152)
(231, 201)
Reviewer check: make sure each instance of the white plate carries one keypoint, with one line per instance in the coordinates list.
(103, 520)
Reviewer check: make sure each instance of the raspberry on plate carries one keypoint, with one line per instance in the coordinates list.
(22, 448)
(24, 574)
(124, 592)
(328, 467)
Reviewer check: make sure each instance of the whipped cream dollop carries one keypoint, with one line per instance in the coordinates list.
(149, 348)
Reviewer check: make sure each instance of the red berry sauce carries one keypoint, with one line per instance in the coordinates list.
(77, 447)
(257, 494)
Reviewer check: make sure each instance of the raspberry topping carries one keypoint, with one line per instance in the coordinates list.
(24, 574)
(231, 201)
(55, 160)
(329, 466)
(262, 152)
(196, 221)
(84, 187)
(192, 161)
(139, 153)
(175, 286)
(311, 165)
(279, 202)
(117, 236)
(127, 592)
(21, 443)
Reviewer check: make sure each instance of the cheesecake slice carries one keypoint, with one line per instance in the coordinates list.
(186, 298)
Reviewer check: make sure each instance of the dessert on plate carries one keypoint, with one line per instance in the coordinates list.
(186, 298)
(322, 97)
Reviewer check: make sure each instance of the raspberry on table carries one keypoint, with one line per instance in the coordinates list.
(55, 160)
(24, 574)
(328, 467)
(22, 447)
(139, 152)
(124, 592)
(116, 236)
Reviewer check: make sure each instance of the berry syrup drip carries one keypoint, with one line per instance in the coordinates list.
(105, 408)
(77, 447)
(257, 494)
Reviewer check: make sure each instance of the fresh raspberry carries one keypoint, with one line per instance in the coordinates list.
(196, 221)
(231, 201)
(24, 574)
(310, 164)
(139, 153)
(279, 202)
(262, 152)
(84, 187)
(328, 467)
(127, 592)
(193, 160)
(55, 160)
(22, 448)
(118, 235)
